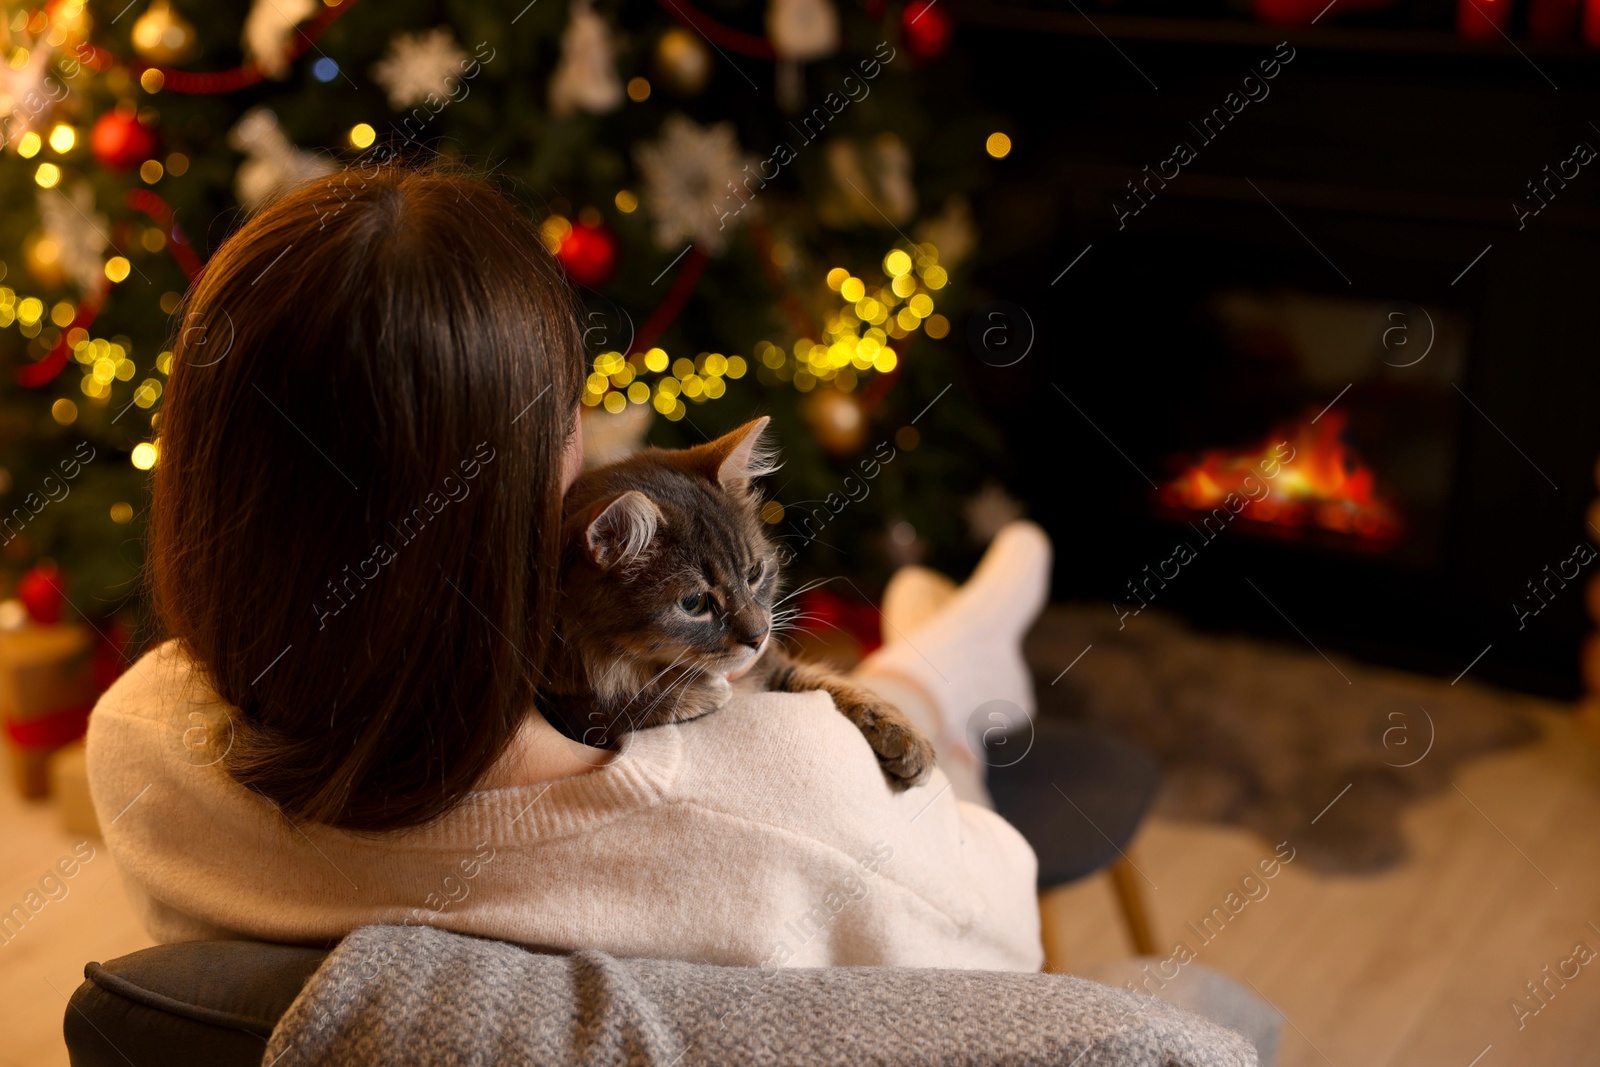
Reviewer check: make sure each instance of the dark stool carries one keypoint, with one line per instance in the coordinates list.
(1078, 796)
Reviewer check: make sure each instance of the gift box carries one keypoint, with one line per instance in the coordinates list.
(48, 682)
(69, 789)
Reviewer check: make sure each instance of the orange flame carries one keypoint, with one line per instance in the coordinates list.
(1322, 482)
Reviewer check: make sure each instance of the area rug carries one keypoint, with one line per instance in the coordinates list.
(1325, 753)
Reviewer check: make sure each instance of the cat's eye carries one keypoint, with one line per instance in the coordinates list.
(695, 603)
(757, 569)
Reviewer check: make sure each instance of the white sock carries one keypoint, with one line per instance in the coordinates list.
(913, 597)
(962, 647)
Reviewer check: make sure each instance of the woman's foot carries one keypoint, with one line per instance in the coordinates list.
(961, 647)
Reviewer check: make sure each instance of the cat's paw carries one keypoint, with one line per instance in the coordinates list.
(702, 696)
(906, 756)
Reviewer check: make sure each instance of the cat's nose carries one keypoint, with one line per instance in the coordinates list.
(755, 641)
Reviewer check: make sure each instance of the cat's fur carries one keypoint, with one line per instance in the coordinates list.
(643, 540)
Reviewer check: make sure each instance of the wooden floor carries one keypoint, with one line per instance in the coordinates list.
(43, 963)
(1417, 967)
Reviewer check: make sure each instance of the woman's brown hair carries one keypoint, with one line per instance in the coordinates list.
(358, 490)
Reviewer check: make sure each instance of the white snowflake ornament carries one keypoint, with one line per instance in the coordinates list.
(269, 32)
(694, 182)
(803, 30)
(272, 162)
(417, 66)
(78, 230)
(586, 78)
(29, 95)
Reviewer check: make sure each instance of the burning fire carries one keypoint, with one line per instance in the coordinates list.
(1312, 478)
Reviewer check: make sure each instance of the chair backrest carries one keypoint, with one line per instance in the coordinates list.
(418, 996)
(204, 1003)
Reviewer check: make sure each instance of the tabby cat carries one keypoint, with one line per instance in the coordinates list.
(668, 588)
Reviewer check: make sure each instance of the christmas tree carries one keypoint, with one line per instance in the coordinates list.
(763, 207)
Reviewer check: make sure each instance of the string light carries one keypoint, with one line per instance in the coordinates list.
(860, 337)
(554, 230)
(103, 362)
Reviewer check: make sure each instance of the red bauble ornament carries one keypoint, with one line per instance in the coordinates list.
(41, 592)
(589, 252)
(120, 141)
(1486, 21)
(926, 30)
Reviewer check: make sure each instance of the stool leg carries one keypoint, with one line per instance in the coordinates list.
(1125, 880)
(1053, 936)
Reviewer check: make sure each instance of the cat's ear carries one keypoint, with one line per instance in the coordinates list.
(622, 531)
(736, 458)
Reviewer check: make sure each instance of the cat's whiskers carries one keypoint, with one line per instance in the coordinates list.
(693, 673)
(787, 618)
(653, 680)
(806, 588)
(681, 683)
(790, 622)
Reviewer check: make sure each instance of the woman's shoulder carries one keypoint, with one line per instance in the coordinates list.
(792, 760)
(789, 766)
(155, 684)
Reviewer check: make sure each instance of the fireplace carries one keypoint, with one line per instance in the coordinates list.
(1365, 423)
(1341, 271)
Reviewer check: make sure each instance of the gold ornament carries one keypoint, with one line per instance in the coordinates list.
(837, 420)
(161, 35)
(682, 61)
(43, 257)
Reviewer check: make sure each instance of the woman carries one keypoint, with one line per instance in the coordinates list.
(370, 422)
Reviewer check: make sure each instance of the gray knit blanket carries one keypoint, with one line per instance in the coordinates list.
(416, 995)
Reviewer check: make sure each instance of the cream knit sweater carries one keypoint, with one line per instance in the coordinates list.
(763, 834)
